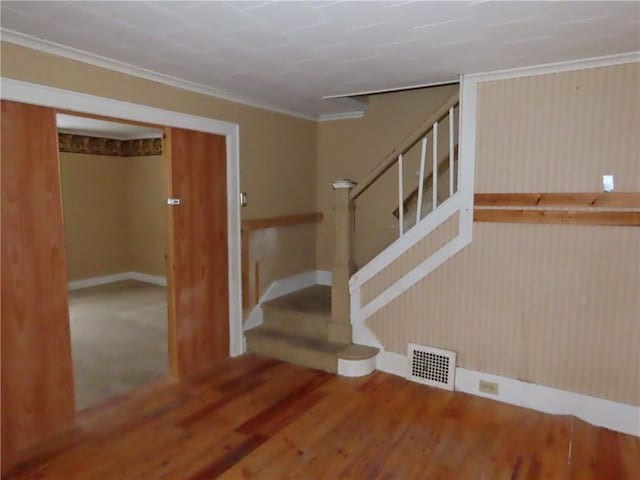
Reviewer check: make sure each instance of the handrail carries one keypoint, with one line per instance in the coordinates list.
(284, 221)
(391, 159)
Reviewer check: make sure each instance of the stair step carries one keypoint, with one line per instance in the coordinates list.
(308, 352)
(304, 324)
(315, 300)
(305, 312)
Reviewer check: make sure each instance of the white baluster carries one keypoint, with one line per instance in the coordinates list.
(434, 175)
(400, 197)
(421, 179)
(451, 151)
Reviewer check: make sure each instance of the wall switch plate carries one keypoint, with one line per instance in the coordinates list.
(607, 183)
(488, 387)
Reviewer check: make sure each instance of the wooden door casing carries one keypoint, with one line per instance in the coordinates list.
(37, 377)
(198, 288)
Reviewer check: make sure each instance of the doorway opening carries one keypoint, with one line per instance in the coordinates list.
(115, 230)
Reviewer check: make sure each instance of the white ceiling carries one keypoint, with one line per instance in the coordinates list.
(291, 54)
(103, 129)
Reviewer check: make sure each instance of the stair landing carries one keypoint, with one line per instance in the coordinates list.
(295, 330)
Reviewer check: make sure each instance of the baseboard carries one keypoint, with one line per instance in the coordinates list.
(146, 278)
(323, 277)
(597, 411)
(393, 363)
(285, 286)
(117, 277)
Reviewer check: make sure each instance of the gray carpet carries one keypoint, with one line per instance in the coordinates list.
(118, 339)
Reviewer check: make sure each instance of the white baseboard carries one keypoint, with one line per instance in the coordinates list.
(146, 278)
(117, 277)
(597, 411)
(285, 286)
(323, 277)
(393, 363)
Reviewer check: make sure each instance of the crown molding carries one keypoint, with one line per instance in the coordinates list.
(45, 46)
(556, 67)
(340, 116)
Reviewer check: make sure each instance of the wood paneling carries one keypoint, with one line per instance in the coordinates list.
(37, 384)
(198, 260)
(569, 200)
(260, 418)
(575, 217)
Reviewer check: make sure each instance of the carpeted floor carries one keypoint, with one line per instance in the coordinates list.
(118, 339)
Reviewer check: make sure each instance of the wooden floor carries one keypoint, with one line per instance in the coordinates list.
(260, 418)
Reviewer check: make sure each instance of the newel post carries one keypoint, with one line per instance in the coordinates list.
(340, 325)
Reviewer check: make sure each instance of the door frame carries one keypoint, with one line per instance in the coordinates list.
(36, 94)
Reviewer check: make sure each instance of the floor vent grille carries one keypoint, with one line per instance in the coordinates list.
(431, 366)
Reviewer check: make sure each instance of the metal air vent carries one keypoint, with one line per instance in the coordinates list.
(431, 366)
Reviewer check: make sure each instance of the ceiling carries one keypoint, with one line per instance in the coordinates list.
(289, 55)
(100, 128)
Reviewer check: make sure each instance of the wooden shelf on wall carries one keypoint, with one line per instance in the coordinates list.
(575, 217)
(569, 200)
(612, 209)
(284, 221)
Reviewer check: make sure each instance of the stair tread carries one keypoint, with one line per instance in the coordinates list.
(341, 350)
(299, 341)
(358, 352)
(315, 299)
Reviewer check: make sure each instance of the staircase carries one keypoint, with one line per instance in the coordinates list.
(316, 327)
(296, 330)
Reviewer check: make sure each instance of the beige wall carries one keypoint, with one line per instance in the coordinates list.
(146, 215)
(114, 214)
(277, 152)
(278, 252)
(351, 148)
(551, 304)
(93, 189)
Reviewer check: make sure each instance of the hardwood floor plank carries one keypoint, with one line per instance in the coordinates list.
(343, 441)
(253, 418)
(234, 456)
(266, 419)
(214, 434)
(602, 453)
(295, 439)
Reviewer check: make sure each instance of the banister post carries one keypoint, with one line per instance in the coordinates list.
(339, 330)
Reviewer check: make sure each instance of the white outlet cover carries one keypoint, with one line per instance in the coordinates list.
(607, 183)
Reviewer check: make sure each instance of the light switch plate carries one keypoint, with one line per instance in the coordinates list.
(607, 183)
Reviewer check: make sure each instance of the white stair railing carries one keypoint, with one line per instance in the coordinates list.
(442, 209)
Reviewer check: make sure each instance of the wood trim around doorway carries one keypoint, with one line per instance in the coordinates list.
(107, 108)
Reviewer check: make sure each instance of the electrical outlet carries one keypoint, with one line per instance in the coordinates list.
(488, 387)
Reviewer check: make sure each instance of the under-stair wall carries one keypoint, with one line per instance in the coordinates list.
(553, 305)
